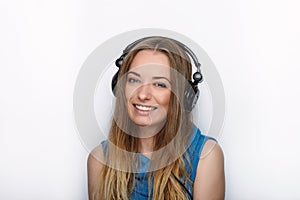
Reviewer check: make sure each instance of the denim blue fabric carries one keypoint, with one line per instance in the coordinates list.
(143, 191)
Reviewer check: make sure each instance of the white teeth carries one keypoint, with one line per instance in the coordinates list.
(144, 108)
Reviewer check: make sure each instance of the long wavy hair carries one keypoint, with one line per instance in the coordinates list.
(168, 163)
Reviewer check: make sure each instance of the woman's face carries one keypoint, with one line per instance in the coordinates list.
(148, 88)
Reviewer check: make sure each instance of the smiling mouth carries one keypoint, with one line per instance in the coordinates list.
(144, 108)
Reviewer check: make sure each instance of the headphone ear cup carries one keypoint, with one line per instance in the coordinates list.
(114, 82)
(191, 95)
(119, 61)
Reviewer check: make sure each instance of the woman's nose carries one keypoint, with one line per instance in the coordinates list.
(144, 92)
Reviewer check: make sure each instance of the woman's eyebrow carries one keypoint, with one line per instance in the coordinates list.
(154, 77)
(134, 73)
(161, 77)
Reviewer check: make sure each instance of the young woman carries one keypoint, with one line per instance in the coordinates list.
(154, 151)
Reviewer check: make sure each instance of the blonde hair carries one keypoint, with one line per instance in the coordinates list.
(117, 176)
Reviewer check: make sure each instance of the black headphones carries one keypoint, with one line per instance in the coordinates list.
(191, 92)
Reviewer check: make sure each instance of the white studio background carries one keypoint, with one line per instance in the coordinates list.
(254, 44)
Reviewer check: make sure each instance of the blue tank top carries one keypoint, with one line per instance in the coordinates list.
(141, 188)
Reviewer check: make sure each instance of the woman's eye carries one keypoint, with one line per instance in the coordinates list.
(132, 80)
(161, 85)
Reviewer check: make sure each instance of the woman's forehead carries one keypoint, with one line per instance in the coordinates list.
(149, 57)
(151, 70)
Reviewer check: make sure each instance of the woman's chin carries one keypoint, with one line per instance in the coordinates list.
(149, 124)
(142, 123)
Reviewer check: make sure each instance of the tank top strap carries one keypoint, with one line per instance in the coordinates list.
(192, 155)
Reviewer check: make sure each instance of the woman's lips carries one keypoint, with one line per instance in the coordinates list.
(143, 110)
(144, 107)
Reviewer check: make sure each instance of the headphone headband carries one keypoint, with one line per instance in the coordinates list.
(185, 48)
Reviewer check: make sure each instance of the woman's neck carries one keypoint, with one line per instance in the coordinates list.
(146, 140)
(146, 135)
(146, 146)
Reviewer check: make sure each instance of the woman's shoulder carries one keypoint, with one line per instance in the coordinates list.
(200, 140)
(210, 175)
(94, 167)
(209, 146)
(96, 156)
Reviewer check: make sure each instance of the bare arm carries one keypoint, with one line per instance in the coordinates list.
(94, 167)
(210, 178)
